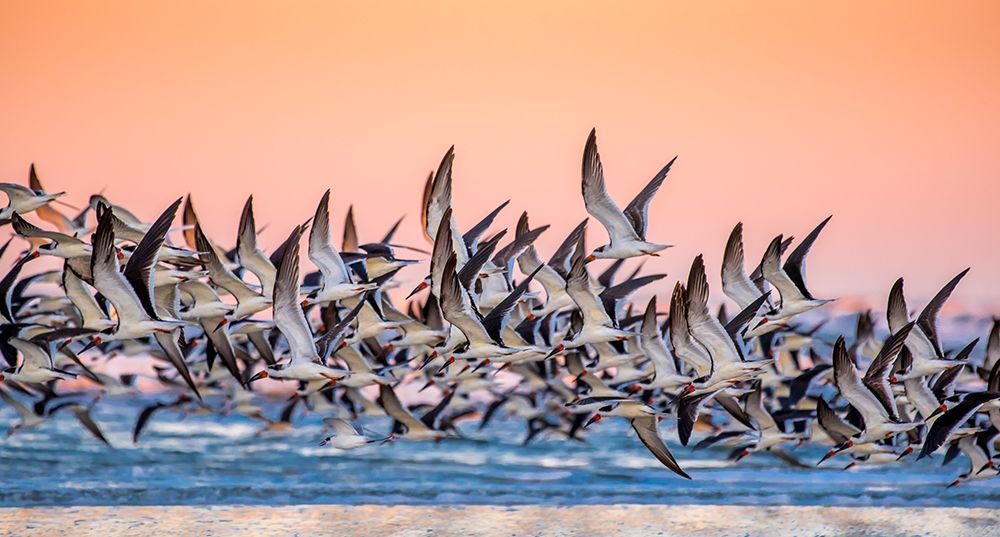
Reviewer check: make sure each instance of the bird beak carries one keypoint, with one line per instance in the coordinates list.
(851, 465)
(482, 364)
(580, 376)
(447, 363)
(324, 442)
(761, 323)
(429, 359)
(93, 343)
(304, 303)
(742, 454)
(2, 377)
(954, 483)
(846, 445)
(262, 374)
(596, 418)
(988, 465)
(556, 350)
(428, 385)
(222, 323)
(388, 347)
(907, 451)
(589, 258)
(942, 408)
(831, 453)
(420, 287)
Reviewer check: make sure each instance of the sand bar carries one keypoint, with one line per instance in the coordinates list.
(623, 520)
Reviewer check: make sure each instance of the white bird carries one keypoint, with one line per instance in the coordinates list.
(347, 436)
(871, 396)
(130, 293)
(626, 230)
(36, 365)
(598, 324)
(248, 301)
(922, 341)
(728, 366)
(337, 282)
(23, 200)
(249, 254)
(790, 280)
(666, 376)
(304, 362)
(413, 428)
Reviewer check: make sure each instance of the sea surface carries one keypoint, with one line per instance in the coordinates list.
(213, 460)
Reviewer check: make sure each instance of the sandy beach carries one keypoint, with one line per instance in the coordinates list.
(624, 520)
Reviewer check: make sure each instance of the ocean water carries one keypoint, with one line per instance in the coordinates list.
(212, 460)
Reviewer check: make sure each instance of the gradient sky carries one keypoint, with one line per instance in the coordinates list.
(884, 114)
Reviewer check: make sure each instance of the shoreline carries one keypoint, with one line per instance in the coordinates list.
(626, 519)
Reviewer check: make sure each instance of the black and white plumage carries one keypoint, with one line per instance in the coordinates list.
(626, 229)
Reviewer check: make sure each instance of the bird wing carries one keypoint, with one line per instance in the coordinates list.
(795, 265)
(139, 270)
(942, 427)
(645, 427)
(394, 407)
(321, 249)
(27, 229)
(288, 316)
(458, 309)
(876, 379)
(250, 255)
(896, 312)
(497, 318)
(33, 356)
(754, 407)
(597, 200)
(836, 428)
(17, 193)
(845, 376)
(218, 272)
(80, 296)
(704, 326)
(471, 237)
(437, 196)
(637, 211)
(776, 275)
(735, 282)
(651, 342)
(927, 320)
(685, 347)
(108, 279)
(579, 289)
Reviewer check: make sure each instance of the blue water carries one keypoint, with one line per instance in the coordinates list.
(199, 460)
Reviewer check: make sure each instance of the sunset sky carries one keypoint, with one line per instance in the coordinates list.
(886, 115)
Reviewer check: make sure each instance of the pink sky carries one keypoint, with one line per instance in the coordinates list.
(885, 116)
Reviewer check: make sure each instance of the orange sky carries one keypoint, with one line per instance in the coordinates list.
(886, 116)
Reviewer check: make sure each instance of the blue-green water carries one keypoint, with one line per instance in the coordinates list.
(200, 460)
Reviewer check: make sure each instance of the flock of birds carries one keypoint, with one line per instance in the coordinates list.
(477, 335)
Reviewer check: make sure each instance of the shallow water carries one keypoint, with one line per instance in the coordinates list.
(205, 460)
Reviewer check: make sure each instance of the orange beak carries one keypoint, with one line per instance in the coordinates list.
(305, 303)
(261, 375)
(589, 258)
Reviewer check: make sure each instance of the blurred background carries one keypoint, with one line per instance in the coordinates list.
(882, 114)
